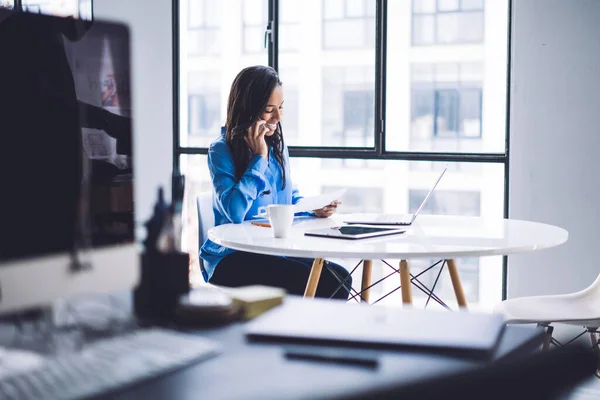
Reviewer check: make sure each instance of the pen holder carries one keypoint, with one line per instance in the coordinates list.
(164, 278)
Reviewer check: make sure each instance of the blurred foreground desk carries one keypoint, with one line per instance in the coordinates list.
(259, 370)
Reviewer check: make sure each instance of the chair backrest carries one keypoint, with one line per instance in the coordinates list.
(206, 217)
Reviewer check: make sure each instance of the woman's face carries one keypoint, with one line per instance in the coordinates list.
(273, 111)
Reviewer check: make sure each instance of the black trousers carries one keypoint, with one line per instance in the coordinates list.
(289, 273)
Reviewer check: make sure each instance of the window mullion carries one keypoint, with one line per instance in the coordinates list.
(273, 24)
(380, 73)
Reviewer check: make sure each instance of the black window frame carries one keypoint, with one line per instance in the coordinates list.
(376, 152)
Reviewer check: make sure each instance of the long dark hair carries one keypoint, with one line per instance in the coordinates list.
(248, 99)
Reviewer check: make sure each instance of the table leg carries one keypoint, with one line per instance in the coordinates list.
(366, 280)
(405, 282)
(458, 290)
(313, 278)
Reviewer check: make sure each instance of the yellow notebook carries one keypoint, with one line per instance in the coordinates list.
(255, 300)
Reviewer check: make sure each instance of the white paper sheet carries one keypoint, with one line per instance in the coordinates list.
(315, 202)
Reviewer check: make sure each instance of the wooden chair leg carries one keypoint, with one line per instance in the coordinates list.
(313, 278)
(456, 284)
(405, 283)
(366, 281)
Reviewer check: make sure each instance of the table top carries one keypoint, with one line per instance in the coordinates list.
(430, 236)
(259, 370)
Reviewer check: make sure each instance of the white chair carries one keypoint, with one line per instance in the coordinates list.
(580, 309)
(206, 218)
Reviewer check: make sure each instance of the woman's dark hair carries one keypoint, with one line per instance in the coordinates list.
(248, 99)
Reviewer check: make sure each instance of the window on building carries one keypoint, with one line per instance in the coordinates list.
(444, 104)
(203, 27)
(348, 24)
(447, 22)
(348, 106)
(204, 105)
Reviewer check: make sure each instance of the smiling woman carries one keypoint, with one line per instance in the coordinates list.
(249, 167)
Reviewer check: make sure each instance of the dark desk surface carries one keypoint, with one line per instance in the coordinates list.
(250, 370)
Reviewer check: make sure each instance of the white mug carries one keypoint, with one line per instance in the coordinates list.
(281, 217)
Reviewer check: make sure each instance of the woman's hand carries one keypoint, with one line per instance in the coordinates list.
(255, 139)
(329, 210)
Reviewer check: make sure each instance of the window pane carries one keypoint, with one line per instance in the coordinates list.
(255, 12)
(211, 56)
(346, 34)
(448, 5)
(438, 86)
(333, 9)
(471, 27)
(348, 106)
(471, 4)
(355, 8)
(213, 13)
(196, 13)
(423, 29)
(333, 72)
(289, 37)
(7, 3)
(448, 28)
(423, 6)
(289, 10)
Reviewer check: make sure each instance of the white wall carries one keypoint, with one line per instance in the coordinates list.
(555, 140)
(152, 84)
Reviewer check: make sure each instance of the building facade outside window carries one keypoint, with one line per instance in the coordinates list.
(441, 22)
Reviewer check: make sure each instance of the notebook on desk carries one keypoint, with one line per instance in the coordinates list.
(473, 335)
(393, 219)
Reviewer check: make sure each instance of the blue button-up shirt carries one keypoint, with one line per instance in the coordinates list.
(236, 200)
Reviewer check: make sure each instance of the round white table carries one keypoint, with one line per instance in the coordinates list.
(430, 236)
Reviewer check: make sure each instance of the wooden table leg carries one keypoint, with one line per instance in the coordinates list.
(458, 290)
(313, 278)
(405, 283)
(366, 281)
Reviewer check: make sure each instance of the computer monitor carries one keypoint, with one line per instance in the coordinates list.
(66, 176)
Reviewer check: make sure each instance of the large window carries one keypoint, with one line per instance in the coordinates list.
(447, 22)
(380, 118)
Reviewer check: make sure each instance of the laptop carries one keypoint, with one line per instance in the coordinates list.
(324, 321)
(393, 219)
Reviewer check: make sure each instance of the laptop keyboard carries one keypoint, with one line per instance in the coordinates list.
(108, 365)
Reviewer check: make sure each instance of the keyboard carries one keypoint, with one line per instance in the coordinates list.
(381, 219)
(107, 365)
